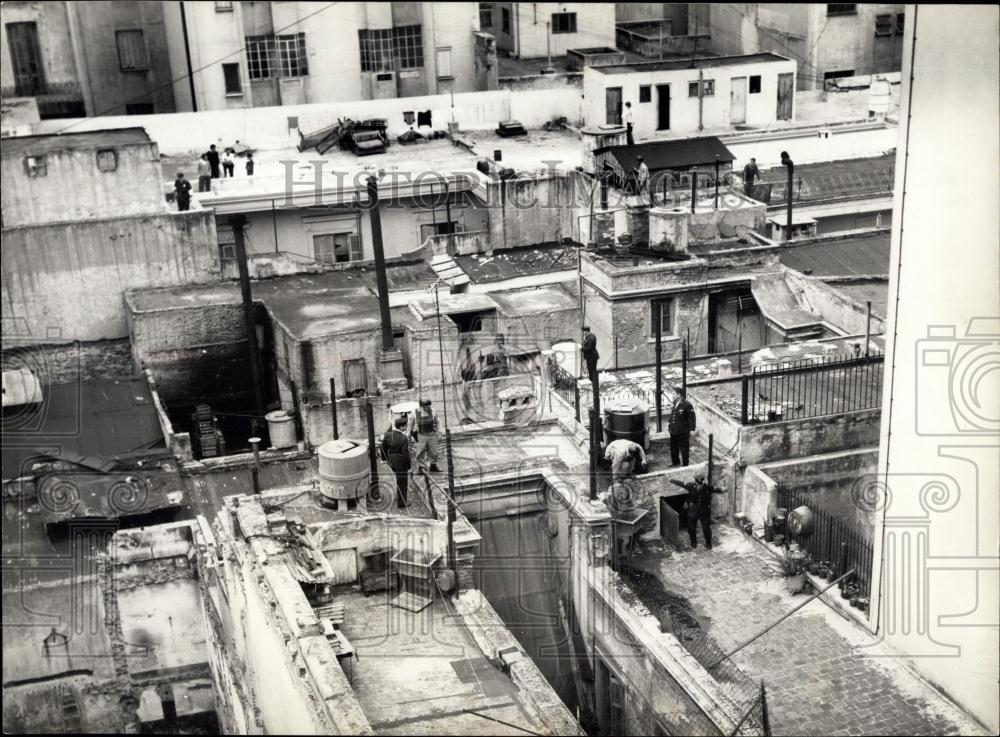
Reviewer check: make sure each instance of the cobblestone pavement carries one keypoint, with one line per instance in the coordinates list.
(819, 670)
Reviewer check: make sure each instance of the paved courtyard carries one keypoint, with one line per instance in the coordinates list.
(823, 674)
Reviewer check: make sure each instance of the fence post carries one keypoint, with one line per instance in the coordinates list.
(659, 365)
(333, 407)
(763, 710)
(746, 392)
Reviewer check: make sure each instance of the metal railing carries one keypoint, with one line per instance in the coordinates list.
(811, 388)
(835, 545)
(565, 385)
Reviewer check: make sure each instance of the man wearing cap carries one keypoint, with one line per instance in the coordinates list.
(698, 506)
(396, 448)
(423, 428)
(680, 426)
(590, 356)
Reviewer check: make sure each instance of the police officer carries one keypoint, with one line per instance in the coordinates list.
(680, 426)
(396, 448)
(698, 506)
(424, 428)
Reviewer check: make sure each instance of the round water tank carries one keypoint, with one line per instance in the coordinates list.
(801, 522)
(627, 419)
(281, 427)
(344, 472)
(879, 97)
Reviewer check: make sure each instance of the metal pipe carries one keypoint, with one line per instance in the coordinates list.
(452, 559)
(868, 328)
(787, 161)
(658, 316)
(237, 222)
(593, 455)
(333, 407)
(255, 469)
(694, 188)
(187, 58)
(372, 462)
(717, 183)
(684, 367)
(711, 440)
(380, 274)
(295, 410)
(444, 393)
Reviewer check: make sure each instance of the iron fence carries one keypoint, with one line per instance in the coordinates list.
(565, 385)
(835, 545)
(811, 388)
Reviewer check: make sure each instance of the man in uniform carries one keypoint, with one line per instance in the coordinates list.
(698, 506)
(750, 174)
(627, 458)
(183, 189)
(396, 447)
(590, 356)
(680, 426)
(424, 428)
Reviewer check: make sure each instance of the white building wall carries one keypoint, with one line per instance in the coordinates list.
(940, 446)
(761, 108)
(595, 26)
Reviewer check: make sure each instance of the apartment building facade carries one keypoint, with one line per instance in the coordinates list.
(536, 30)
(85, 59)
(256, 54)
(829, 41)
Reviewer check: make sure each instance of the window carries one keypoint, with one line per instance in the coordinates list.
(444, 63)
(564, 22)
(131, 51)
(227, 242)
(505, 20)
(277, 56)
(231, 72)
(426, 231)
(645, 93)
(707, 88)
(755, 84)
(388, 49)
(485, 15)
(35, 166)
(883, 25)
(408, 42)
(25, 59)
(838, 75)
(107, 159)
(665, 308)
(900, 20)
(841, 9)
(223, 6)
(139, 108)
(337, 248)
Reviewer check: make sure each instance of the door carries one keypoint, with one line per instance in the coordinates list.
(785, 96)
(670, 522)
(662, 107)
(613, 100)
(738, 100)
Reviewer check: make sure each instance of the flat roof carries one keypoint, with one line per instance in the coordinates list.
(699, 63)
(534, 301)
(863, 255)
(671, 154)
(84, 141)
(543, 258)
(822, 180)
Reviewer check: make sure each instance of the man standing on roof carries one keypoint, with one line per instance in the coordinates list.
(680, 426)
(396, 448)
(627, 119)
(423, 428)
(213, 161)
(750, 175)
(183, 189)
(698, 507)
(643, 176)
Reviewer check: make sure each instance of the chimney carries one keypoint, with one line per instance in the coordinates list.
(668, 230)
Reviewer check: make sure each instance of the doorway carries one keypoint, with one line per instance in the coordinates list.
(784, 96)
(738, 100)
(613, 101)
(670, 519)
(662, 107)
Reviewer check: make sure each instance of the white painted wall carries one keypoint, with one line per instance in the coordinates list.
(595, 26)
(939, 531)
(761, 108)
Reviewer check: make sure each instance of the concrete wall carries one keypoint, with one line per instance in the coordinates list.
(938, 446)
(535, 209)
(799, 438)
(832, 305)
(58, 65)
(268, 127)
(75, 189)
(69, 363)
(71, 276)
(528, 37)
(760, 108)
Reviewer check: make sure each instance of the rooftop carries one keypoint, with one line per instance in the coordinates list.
(85, 141)
(862, 255)
(671, 154)
(699, 63)
(545, 258)
(845, 177)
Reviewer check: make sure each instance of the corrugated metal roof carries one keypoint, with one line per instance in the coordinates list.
(670, 154)
(102, 419)
(83, 141)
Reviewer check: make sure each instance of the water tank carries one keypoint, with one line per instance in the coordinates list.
(879, 98)
(281, 428)
(344, 473)
(801, 522)
(627, 419)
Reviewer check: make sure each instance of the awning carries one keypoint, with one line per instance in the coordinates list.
(679, 154)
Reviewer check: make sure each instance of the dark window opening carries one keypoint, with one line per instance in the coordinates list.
(505, 20)
(645, 93)
(841, 9)
(838, 75)
(564, 22)
(755, 84)
(107, 159)
(139, 108)
(883, 25)
(234, 85)
(485, 15)
(25, 59)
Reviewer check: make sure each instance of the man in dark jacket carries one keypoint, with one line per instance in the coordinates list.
(750, 175)
(182, 187)
(423, 427)
(698, 507)
(396, 448)
(213, 161)
(680, 426)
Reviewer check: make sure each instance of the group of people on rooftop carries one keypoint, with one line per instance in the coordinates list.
(211, 165)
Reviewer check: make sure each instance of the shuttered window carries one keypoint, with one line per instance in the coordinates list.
(131, 51)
